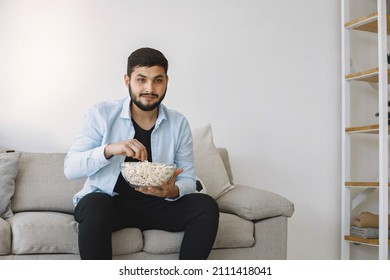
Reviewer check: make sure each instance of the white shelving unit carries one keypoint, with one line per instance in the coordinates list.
(375, 22)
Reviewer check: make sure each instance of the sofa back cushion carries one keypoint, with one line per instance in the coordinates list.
(42, 185)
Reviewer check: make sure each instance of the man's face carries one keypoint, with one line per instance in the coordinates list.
(147, 86)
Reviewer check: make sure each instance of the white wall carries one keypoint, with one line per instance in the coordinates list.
(265, 74)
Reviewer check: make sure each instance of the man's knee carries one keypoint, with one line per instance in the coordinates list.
(206, 205)
(94, 206)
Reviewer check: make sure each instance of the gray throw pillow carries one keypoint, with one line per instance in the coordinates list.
(9, 166)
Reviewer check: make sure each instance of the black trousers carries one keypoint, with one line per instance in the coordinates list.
(99, 215)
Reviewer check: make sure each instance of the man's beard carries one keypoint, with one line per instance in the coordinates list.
(149, 107)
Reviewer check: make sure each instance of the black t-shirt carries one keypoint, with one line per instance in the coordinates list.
(143, 136)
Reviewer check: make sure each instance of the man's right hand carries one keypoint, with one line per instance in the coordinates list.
(130, 148)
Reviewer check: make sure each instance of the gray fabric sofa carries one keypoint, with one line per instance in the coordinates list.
(253, 222)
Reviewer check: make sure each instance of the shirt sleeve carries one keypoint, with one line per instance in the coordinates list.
(184, 158)
(86, 156)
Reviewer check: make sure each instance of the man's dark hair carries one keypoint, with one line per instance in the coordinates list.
(146, 57)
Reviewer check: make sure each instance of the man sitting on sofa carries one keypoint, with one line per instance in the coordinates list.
(138, 128)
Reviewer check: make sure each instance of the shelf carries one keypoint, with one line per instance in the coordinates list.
(357, 192)
(363, 184)
(373, 129)
(367, 23)
(370, 76)
(368, 241)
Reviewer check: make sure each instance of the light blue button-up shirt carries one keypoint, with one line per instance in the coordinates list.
(110, 122)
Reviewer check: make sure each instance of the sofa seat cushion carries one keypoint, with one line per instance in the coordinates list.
(57, 233)
(127, 241)
(233, 232)
(43, 233)
(5, 237)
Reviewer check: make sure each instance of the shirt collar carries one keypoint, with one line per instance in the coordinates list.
(161, 115)
(125, 113)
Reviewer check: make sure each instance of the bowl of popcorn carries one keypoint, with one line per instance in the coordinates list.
(146, 173)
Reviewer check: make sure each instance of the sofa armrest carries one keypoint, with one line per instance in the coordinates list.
(254, 204)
